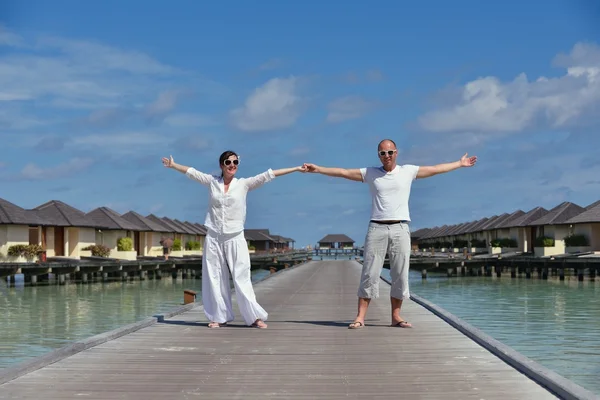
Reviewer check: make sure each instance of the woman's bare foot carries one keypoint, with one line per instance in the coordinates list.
(356, 324)
(216, 324)
(259, 323)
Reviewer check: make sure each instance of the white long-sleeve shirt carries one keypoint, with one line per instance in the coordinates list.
(227, 211)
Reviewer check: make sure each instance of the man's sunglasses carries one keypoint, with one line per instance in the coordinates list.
(235, 162)
(388, 152)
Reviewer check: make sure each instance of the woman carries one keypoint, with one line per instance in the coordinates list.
(225, 247)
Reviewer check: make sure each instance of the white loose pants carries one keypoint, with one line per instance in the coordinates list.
(226, 254)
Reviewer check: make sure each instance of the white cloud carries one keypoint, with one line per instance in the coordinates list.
(77, 74)
(8, 38)
(275, 105)
(99, 57)
(74, 166)
(300, 151)
(117, 139)
(165, 103)
(490, 105)
(348, 107)
(188, 120)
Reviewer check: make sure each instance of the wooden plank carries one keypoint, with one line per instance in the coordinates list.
(307, 352)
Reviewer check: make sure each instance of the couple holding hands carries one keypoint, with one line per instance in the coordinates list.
(226, 251)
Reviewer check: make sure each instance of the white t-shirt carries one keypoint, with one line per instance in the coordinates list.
(390, 191)
(227, 211)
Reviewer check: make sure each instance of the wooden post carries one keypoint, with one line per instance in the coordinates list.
(498, 271)
(424, 274)
(84, 278)
(580, 274)
(545, 273)
(34, 279)
(513, 272)
(189, 296)
(561, 274)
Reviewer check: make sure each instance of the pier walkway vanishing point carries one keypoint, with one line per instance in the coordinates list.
(307, 352)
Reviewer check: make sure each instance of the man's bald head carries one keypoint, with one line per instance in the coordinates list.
(386, 144)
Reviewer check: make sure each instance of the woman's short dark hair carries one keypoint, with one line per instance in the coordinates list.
(225, 155)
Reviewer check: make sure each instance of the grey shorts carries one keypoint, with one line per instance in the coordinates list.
(382, 239)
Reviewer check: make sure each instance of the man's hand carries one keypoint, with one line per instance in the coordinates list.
(466, 161)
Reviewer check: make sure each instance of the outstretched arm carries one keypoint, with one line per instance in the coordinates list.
(192, 173)
(285, 171)
(267, 176)
(427, 171)
(170, 163)
(352, 174)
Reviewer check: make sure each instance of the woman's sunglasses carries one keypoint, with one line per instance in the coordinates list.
(389, 153)
(228, 162)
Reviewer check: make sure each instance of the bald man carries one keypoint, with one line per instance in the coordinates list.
(388, 231)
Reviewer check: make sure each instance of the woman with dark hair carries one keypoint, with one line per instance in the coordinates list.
(225, 248)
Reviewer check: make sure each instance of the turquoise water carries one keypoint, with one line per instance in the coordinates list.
(37, 320)
(554, 323)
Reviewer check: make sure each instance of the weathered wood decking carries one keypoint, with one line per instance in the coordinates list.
(307, 352)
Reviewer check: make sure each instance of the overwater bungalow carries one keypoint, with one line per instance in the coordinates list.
(116, 233)
(147, 243)
(259, 240)
(550, 230)
(67, 231)
(19, 228)
(565, 229)
(583, 230)
(336, 241)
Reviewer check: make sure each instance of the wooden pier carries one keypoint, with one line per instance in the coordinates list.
(98, 269)
(306, 353)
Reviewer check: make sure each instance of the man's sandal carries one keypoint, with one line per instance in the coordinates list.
(403, 324)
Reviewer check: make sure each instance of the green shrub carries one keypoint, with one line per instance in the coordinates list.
(125, 244)
(192, 245)
(98, 250)
(576, 240)
(544, 241)
(251, 248)
(177, 245)
(28, 251)
(505, 242)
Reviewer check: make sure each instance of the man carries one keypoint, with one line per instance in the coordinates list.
(388, 230)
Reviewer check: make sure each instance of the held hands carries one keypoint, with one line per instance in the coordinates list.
(310, 168)
(168, 162)
(466, 161)
(301, 168)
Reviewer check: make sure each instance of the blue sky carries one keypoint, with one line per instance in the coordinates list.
(93, 94)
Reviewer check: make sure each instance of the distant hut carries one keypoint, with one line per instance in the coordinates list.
(336, 241)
